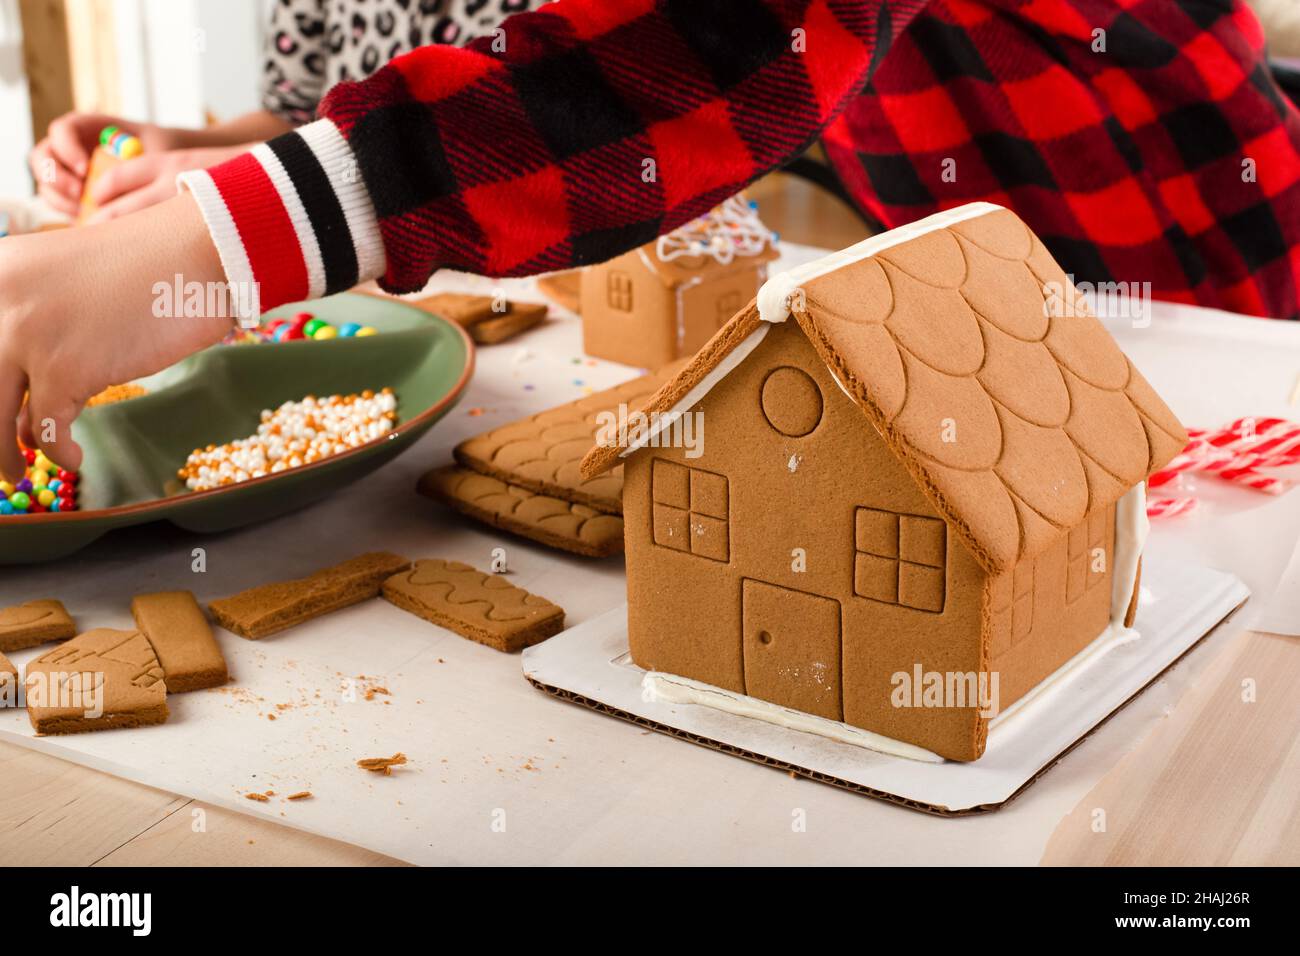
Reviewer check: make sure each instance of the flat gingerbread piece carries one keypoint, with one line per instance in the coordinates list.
(8, 675)
(551, 521)
(544, 451)
(181, 637)
(100, 680)
(519, 317)
(34, 623)
(269, 608)
(483, 607)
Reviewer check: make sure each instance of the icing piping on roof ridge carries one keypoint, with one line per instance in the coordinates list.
(774, 295)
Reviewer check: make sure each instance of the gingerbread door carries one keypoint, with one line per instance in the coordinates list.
(791, 645)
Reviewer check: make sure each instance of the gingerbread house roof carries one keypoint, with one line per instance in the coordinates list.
(945, 322)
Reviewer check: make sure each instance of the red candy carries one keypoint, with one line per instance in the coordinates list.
(30, 455)
(67, 477)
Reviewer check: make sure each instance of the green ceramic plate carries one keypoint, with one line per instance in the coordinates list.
(133, 448)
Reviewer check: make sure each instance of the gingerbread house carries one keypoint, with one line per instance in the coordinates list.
(664, 300)
(937, 468)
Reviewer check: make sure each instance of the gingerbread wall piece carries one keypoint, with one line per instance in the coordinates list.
(919, 431)
(100, 680)
(664, 300)
(34, 623)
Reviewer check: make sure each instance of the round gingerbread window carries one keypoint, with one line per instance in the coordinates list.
(792, 402)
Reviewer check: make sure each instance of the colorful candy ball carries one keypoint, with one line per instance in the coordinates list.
(366, 330)
(348, 329)
(312, 326)
(44, 487)
(325, 332)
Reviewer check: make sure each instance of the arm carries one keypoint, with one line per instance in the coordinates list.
(590, 129)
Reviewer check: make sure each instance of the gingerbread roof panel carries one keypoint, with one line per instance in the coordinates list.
(1015, 411)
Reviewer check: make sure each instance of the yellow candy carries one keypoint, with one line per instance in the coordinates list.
(46, 497)
(43, 464)
(326, 332)
(7, 488)
(130, 148)
(40, 479)
(366, 330)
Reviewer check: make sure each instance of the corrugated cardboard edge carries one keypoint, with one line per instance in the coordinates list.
(796, 770)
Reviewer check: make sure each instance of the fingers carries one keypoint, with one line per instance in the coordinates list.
(126, 177)
(67, 136)
(57, 184)
(139, 199)
(50, 423)
(13, 385)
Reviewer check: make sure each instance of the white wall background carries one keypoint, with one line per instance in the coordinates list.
(178, 61)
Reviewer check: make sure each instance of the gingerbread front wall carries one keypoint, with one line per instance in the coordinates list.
(795, 559)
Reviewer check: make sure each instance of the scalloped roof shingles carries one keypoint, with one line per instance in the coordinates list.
(946, 335)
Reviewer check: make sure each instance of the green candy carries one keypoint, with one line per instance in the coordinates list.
(310, 328)
(106, 135)
(20, 501)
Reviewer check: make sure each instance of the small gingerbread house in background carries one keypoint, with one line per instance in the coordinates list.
(927, 469)
(664, 300)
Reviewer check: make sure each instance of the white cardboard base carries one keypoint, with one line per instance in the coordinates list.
(1181, 604)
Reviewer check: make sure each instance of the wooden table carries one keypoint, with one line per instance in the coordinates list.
(1236, 764)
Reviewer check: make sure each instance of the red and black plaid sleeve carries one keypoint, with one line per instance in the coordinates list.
(578, 132)
(1143, 140)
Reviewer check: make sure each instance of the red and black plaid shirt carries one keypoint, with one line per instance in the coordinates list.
(1143, 140)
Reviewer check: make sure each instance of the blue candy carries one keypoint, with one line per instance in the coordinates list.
(280, 333)
(348, 330)
(6, 508)
(55, 506)
(55, 485)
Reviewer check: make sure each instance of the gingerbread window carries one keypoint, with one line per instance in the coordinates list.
(620, 291)
(691, 510)
(1086, 558)
(899, 559)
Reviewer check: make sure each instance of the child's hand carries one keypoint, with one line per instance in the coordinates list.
(151, 178)
(59, 162)
(77, 315)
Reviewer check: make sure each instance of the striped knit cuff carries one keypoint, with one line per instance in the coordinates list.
(292, 219)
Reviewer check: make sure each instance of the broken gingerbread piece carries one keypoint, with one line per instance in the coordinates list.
(181, 637)
(268, 608)
(34, 623)
(100, 680)
(483, 607)
(382, 765)
(8, 674)
(551, 521)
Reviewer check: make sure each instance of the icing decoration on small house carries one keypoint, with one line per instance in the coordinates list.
(662, 301)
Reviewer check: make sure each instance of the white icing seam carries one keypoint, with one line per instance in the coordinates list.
(774, 296)
(1112, 637)
(672, 689)
(1131, 529)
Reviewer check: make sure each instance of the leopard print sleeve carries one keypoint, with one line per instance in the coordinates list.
(293, 76)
